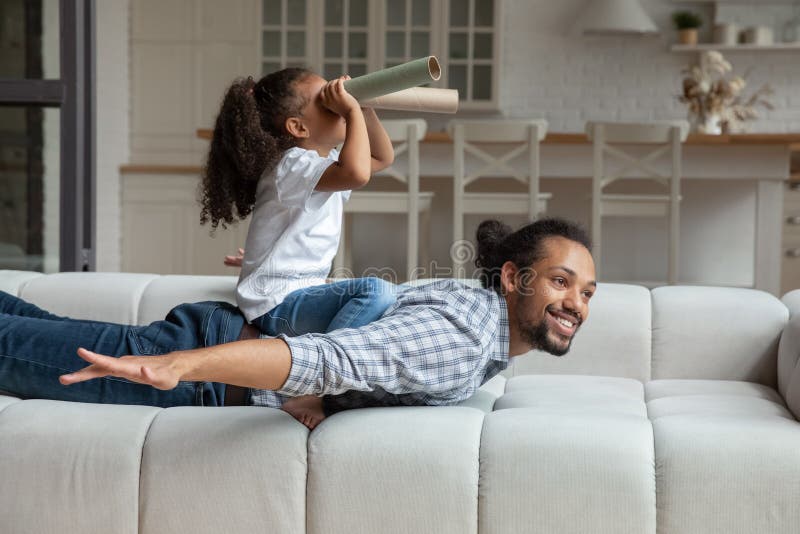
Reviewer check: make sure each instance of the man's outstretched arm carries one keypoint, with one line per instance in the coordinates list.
(253, 363)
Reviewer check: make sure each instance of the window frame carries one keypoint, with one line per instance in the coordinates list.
(74, 94)
(377, 29)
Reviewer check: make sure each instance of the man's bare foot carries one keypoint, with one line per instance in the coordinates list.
(306, 409)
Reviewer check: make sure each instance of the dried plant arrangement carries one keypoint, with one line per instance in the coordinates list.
(715, 99)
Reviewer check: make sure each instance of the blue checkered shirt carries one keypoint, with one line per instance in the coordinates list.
(435, 345)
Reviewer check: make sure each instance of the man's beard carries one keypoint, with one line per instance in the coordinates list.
(539, 336)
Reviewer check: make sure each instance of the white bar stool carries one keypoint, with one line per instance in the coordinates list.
(664, 138)
(525, 135)
(405, 136)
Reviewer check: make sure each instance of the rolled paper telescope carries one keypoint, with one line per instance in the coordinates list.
(394, 79)
(427, 99)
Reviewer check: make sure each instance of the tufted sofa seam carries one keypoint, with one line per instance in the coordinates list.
(139, 298)
(16, 400)
(141, 463)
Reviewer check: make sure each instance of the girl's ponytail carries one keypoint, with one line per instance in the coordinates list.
(237, 156)
(248, 140)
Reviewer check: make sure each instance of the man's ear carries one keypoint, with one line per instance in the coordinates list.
(296, 128)
(508, 277)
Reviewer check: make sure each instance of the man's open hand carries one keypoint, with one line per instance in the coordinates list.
(156, 371)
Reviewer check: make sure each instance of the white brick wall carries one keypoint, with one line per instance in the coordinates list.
(569, 79)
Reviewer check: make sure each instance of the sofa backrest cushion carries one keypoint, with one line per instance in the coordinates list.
(614, 341)
(716, 333)
(789, 365)
(165, 292)
(792, 301)
(111, 297)
(12, 282)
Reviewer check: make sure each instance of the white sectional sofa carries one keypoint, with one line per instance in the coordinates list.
(673, 413)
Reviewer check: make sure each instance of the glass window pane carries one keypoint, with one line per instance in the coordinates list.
(395, 12)
(297, 64)
(334, 12)
(482, 82)
(484, 12)
(272, 43)
(332, 70)
(295, 43)
(482, 46)
(420, 44)
(459, 12)
(395, 44)
(357, 69)
(458, 45)
(357, 45)
(333, 44)
(358, 12)
(272, 12)
(421, 12)
(269, 66)
(297, 12)
(457, 79)
(29, 188)
(29, 39)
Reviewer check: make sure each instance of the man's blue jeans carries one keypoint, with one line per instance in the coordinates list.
(36, 347)
(342, 304)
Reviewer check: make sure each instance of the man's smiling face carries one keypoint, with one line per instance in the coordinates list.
(552, 296)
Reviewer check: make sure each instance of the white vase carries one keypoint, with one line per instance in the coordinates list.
(707, 124)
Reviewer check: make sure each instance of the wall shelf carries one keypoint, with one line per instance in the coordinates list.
(735, 48)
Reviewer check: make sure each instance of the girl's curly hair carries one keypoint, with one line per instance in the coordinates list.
(249, 139)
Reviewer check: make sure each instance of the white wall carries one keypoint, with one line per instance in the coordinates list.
(184, 53)
(113, 126)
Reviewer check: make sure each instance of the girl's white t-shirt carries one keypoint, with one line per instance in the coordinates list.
(294, 232)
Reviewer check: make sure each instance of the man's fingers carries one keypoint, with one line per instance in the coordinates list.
(87, 373)
(88, 355)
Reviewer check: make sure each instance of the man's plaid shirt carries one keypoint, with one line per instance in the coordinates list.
(436, 345)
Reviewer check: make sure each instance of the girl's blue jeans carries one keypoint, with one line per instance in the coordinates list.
(36, 347)
(342, 304)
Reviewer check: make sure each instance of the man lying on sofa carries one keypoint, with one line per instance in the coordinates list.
(436, 345)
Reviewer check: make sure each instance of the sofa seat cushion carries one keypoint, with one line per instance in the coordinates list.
(71, 467)
(232, 469)
(574, 394)
(395, 470)
(727, 457)
(6, 399)
(568, 454)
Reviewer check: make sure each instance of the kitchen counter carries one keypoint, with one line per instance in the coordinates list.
(556, 138)
(731, 214)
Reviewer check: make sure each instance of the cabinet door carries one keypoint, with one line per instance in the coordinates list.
(161, 231)
(790, 263)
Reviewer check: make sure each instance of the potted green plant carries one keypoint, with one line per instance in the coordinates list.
(687, 23)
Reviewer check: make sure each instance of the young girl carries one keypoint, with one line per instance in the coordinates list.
(273, 154)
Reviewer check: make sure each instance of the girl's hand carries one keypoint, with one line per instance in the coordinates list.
(156, 371)
(234, 261)
(336, 98)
